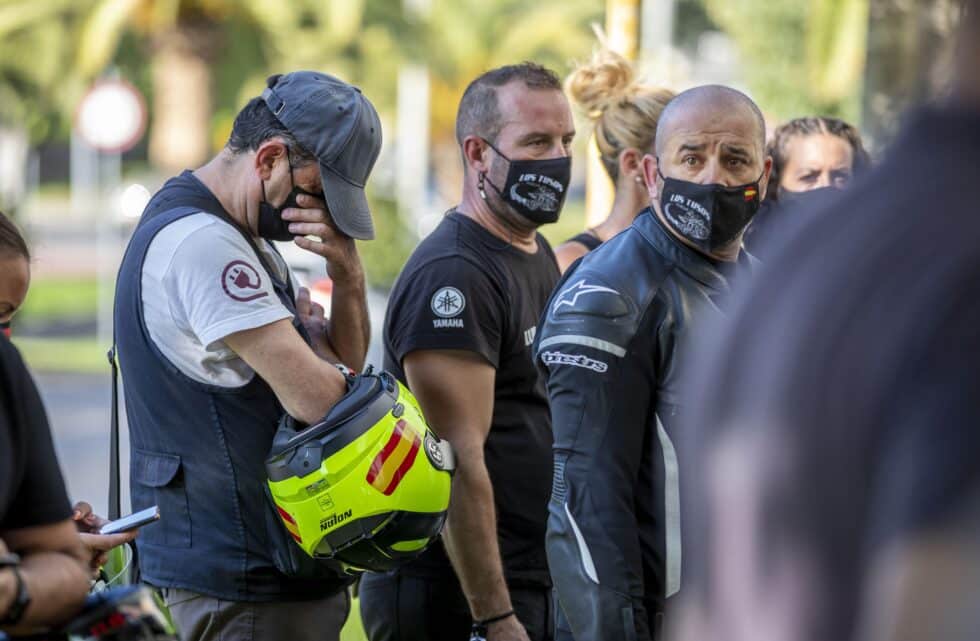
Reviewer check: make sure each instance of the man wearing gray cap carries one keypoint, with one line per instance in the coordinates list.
(216, 340)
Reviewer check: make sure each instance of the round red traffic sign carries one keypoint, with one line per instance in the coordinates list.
(111, 117)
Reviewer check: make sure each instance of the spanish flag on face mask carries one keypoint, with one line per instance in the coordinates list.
(751, 193)
(393, 462)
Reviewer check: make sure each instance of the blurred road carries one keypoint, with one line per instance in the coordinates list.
(78, 409)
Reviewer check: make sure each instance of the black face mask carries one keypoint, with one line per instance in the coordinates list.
(271, 224)
(710, 216)
(790, 198)
(534, 188)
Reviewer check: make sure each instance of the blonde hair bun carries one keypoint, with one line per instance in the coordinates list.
(624, 112)
(604, 81)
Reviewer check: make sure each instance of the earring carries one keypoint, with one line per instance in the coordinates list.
(479, 186)
(638, 179)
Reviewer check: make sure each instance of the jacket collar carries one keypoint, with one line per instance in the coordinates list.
(706, 271)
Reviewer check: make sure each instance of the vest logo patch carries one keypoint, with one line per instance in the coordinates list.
(242, 282)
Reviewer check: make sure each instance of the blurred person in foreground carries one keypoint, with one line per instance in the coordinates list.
(216, 340)
(612, 344)
(44, 563)
(837, 490)
(625, 114)
(812, 158)
(460, 323)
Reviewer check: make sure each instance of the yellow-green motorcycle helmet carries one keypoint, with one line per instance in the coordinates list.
(369, 484)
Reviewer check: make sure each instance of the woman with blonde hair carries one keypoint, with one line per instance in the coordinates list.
(625, 114)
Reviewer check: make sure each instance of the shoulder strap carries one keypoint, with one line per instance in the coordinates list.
(590, 240)
(114, 506)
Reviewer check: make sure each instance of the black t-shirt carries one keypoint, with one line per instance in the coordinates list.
(464, 288)
(32, 491)
(846, 381)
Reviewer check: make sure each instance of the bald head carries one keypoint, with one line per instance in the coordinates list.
(710, 135)
(705, 106)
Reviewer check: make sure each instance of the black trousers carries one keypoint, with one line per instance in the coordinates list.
(395, 607)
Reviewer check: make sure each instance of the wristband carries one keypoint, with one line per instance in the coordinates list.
(479, 630)
(22, 598)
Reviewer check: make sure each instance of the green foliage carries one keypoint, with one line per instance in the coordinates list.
(385, 256)
(36, 48)
(800, 58)
(572, 222)
(353, 629)
(81, 355)
(52, 299)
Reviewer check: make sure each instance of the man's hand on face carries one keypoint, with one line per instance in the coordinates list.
(98, 545)
(312, 219)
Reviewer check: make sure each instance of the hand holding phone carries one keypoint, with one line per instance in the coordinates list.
(131, 522)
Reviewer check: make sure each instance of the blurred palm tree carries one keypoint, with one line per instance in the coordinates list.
(34, 53)
(799, 57)
(185, 38)
(463, 38)
(196, 46)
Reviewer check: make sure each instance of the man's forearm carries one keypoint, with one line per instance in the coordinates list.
(470, 537)
(57, 584)
(350, 325)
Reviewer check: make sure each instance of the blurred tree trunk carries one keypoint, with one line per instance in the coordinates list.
(180, 136)
(909, 58)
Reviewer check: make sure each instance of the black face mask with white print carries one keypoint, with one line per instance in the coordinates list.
(271, 224)
(535, 189)
(709, 216)
(794, 199)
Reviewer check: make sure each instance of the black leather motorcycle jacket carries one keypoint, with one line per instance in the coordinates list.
(611, 346)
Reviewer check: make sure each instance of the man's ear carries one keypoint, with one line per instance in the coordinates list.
(764, 183)
(475, 154)
(649, 167)
(267, 155)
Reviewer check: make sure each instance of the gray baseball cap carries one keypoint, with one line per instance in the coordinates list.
(335, 122)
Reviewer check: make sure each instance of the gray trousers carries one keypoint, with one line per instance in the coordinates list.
(199, 617)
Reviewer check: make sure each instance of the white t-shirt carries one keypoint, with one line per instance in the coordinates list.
(201, 282)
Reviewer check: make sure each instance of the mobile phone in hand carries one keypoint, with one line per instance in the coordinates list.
(131, 522)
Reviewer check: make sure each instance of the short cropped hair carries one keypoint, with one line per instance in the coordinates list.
(255, 124)
(11, 240)
(479, 111)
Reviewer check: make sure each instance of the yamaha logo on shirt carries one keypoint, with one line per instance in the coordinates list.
(447, 303)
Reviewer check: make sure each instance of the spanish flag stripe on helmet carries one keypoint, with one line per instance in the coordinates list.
(391, 464)
(404, 467)
(379, 460)
(290, 524)
(285, 516)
